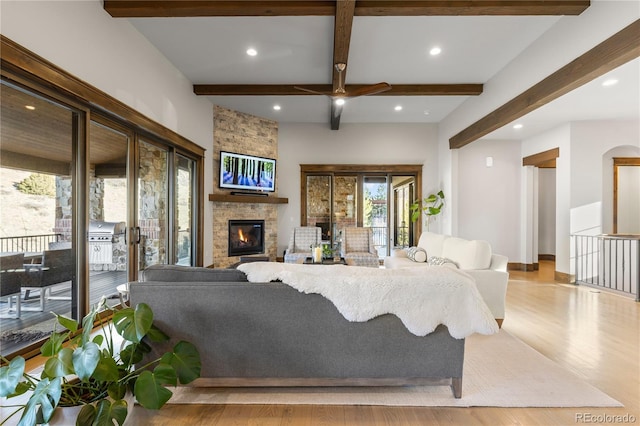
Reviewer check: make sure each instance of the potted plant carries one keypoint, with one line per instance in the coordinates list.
(97, 371)
(431, 206)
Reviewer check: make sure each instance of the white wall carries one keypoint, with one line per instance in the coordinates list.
(583, 202)
(566, 40)
(316, 143)
(111, 55)
(489, 197)
(595, 143)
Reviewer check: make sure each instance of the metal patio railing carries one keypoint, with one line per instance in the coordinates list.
(28, 243)
(608, 261)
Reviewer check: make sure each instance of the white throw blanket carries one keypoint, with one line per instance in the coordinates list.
(422, 298)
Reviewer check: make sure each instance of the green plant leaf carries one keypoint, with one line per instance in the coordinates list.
(59, 365)
(133, 325)
(149, 392)
(54, 344)
(68, 323)
(441, 194)
(431, 198)
(117, 390)
(85, 360)
(45, 398)
(106, 412)
(157, 335)
(98, 339)
(165, 375)
(87, 324)
(10, 376)
(185, 360)
(86, 416)
(106, 370)
(133, 353)
(433, 211)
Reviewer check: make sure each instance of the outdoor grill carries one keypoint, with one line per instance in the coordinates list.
(101, 238)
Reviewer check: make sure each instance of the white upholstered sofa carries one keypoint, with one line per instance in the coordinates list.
(472, 256)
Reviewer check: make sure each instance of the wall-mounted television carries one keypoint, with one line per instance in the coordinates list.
(247, 172)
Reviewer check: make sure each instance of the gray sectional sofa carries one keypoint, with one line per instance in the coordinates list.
(269, 334)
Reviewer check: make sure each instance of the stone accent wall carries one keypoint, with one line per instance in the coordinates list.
(153, 198)
(244, 134)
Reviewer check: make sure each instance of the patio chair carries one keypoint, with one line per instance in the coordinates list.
(11, 272)
(57, 267)
(300, 243)
(357, 247)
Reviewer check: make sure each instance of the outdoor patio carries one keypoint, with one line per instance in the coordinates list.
(16, 333)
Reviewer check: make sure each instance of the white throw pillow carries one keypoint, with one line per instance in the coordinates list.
(468, 254)
(432, 242)
(417, 254)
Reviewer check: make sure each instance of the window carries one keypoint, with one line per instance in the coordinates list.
(103, 200)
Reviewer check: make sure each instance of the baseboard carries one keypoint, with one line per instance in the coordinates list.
(525, 267)
(564, 278)
(547, 257)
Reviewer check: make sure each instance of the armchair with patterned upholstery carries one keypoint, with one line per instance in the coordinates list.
(357, 247)
(300, 243)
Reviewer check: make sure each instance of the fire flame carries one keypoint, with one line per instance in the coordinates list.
(241, 235)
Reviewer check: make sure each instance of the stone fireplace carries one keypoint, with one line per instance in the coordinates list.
(242, 133)
(246, 237)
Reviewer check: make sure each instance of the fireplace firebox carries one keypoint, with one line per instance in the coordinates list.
(246, 237)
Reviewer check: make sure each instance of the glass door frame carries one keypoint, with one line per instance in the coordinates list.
(360, 170)
(25, 69)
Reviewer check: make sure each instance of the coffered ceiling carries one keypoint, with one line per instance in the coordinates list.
(299, 42)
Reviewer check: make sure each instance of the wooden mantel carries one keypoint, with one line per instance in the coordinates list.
(250, 199)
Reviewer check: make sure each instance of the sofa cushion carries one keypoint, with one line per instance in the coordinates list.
(468, 254)
(432, 243)
(417, 254)
(176, 273)
(442, 261)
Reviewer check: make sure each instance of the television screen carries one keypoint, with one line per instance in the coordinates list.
(247, 172)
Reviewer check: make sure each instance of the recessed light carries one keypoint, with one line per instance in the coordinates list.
(517, 126)
(427, 112)
(435, 51)
(340, 101)
(30, 107)
(398, 108)
(277, 107)
(610, 82)
(252, 52)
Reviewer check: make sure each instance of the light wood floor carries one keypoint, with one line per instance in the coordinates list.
(593, 334)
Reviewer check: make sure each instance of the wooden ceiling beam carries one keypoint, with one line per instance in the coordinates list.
(290, 89)
(470, 8)
(336, 113)
(617, 50)
(188, 8)
(343, 22)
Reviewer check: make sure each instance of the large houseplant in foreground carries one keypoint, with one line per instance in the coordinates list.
(96, 371)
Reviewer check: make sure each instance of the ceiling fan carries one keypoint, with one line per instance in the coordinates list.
(340, 93)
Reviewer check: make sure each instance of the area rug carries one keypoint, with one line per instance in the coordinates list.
(499, 371)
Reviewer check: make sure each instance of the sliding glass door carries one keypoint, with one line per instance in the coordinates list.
(185, 213)
(87, 203)
(338, 196)
(376, 211)
(109, 209)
